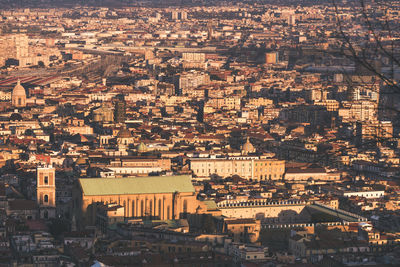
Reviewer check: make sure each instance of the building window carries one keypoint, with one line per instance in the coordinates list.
(185, 206)
(151, 208)
(159, 208)
(46, 180)
(46, 198)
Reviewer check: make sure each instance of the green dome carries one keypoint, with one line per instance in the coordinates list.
(142, 147)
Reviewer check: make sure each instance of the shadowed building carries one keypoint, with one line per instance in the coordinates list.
(163, 197)
(103, 114)
(119, 109)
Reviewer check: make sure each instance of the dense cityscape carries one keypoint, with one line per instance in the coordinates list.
(199, 133)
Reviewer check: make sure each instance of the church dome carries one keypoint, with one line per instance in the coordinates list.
(32, 147)
(248, 148)
(142, 148)
(15, 117)
(19, 90)
(124, 133)
(18, 97)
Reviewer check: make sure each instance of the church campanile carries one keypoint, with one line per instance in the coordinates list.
(46, 192)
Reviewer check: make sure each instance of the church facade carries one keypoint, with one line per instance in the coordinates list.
(160, 197)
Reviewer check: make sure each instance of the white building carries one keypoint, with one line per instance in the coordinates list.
(364, 194)
(242, 252)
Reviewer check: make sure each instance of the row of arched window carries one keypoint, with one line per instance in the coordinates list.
(142, 208)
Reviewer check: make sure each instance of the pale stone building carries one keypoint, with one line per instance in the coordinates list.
(247, 167)
(18, 97)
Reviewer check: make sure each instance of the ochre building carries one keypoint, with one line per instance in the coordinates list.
(161, 197)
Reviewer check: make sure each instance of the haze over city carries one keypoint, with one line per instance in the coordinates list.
(199, 133)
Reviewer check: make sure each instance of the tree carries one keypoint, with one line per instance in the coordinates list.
(373, 49)
(156, 129)
(165, 135)
(208, 224)
(29, 132)
(59, 226)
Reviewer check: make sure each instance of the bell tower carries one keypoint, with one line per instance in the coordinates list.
(46, 192)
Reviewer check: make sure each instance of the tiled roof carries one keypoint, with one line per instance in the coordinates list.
(22, 204)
